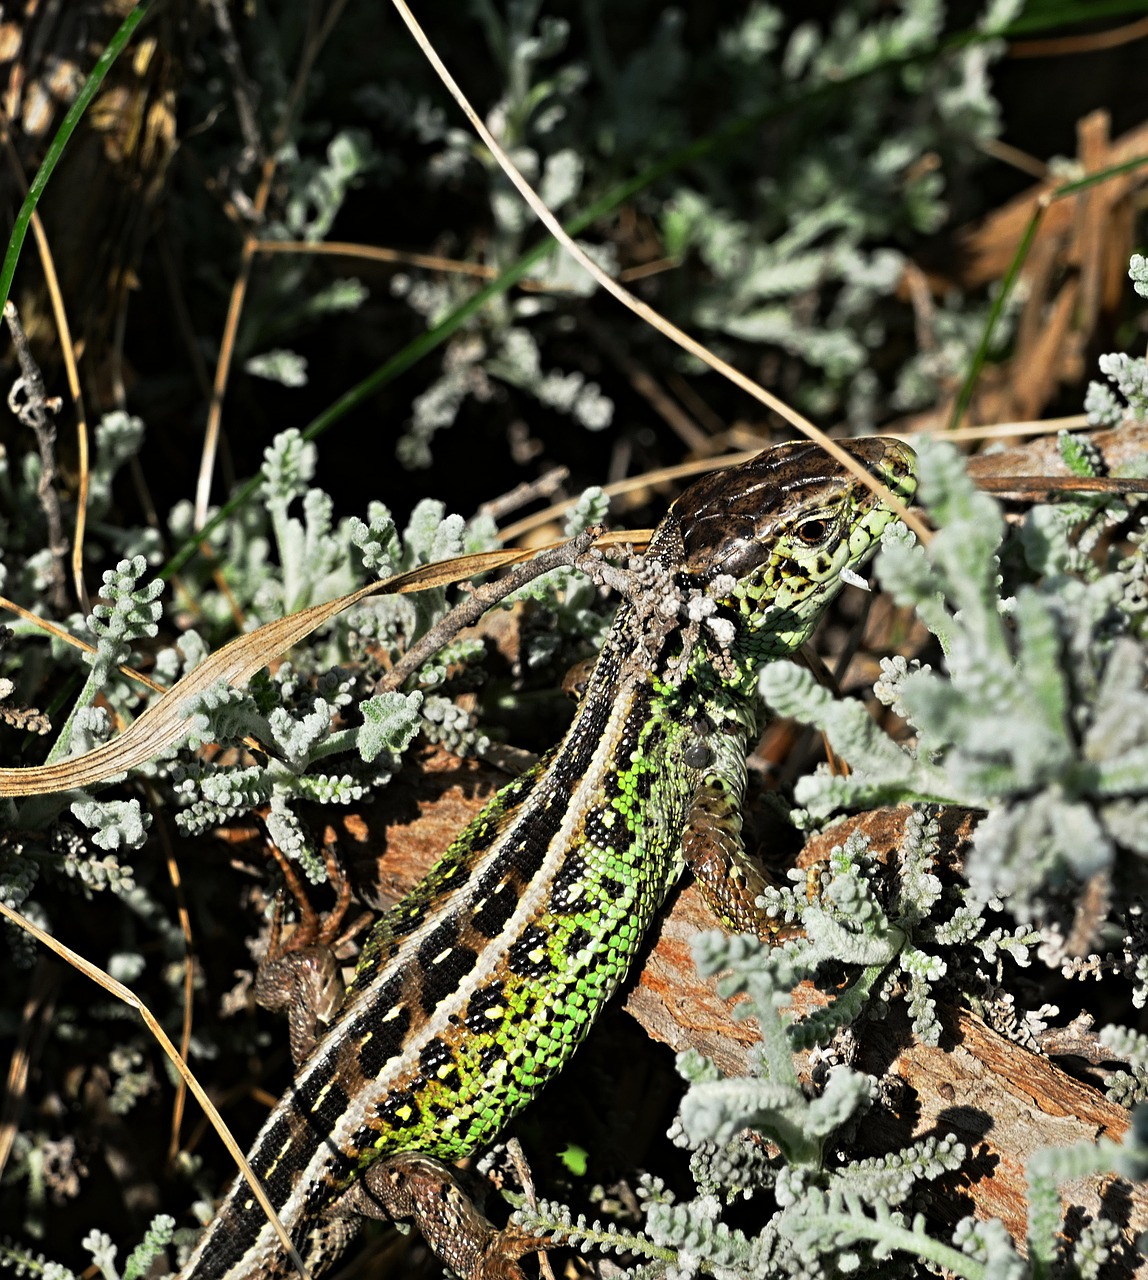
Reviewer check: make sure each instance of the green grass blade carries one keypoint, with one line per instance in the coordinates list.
(1048, 16)
(91, 86)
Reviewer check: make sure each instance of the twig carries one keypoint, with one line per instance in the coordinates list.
(68, 354)
(1005, 430)
(651, 390)
(480, 600)
(400, 257)
(242, 89)
(1059, 46)
(544, 487)
(377, 253)
(1014, 156)
(1031, 485)
(526, 1182)
(677, 472)
(713, 422)
(34, 412)
(176, 881)
(39, 1007)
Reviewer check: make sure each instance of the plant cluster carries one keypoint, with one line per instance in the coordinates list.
(829, 150)
(856, 138)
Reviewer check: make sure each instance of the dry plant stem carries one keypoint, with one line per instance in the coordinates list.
(524, 493)
(646, 269)
(246, 262)
(1061, 46)
(480, 600)
(58, 633)
(1004, 430)
(713, 422)
(176, 880)
(526, 1181)
(398, 257)
(182, 315)
(924, 310)
(68, 352)
(34, 413)
(680, 471)
(377, 253)
(1014, 156)
(651, 390)
(116, 354)
(117, 989)
(1030, 486)
(639, 308)
(223, 368)
(34, 1022)
(241, 88)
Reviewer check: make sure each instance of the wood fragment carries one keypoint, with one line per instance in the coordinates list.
(1002, 1100)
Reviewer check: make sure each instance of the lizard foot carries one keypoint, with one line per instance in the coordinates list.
(412, 1187)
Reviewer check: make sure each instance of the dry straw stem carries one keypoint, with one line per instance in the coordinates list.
(164, 722)
(376, 253)
(1067, 46)
(1005, 430)
(39, 1006)
(639, 308)
(429, 261)
(129, 998)
(644, 481)
(57, 632)
(176, 880)
(68, 353)
(1031, 486)
(36, 411)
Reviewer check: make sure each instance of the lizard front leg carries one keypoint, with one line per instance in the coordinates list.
(712, 847)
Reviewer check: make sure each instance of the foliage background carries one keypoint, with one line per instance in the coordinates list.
(819, 240)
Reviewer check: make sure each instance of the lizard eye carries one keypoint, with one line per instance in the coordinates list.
(811, 532)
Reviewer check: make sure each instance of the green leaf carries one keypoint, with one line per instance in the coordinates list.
(390, 721)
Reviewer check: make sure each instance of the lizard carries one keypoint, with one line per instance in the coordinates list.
(477, 987)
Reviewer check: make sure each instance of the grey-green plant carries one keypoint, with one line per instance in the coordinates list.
(1040, 716)
(822, 1210)
(1128, 374)
(324, 737)
(20, 1262)
(803, 260)
(790, 245)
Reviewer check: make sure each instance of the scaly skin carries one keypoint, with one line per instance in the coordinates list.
(477, 988)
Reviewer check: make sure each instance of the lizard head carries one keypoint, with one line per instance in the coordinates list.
(775, 538)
